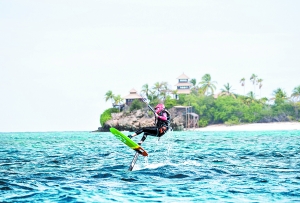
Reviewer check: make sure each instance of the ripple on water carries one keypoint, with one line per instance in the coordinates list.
(197, 167)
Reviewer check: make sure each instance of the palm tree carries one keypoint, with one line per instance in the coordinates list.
(175, 93)
(280, 96)
(296, 93)
(296, 96)
(242, 81)
(250, 97)
(207, 85)
(157, 87)
(279, 93)
(118, 100)
(164, 90)
(152, 95)
(227, 91)
(109, 95)
(259, 82)
(145, 89)
(194, 88)
(263, 100)
(253, 78)
(193, 81)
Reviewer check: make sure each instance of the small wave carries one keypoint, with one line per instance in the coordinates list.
(234, 191)
(178, 176)
(23, 196)
(3, 182)
(129, 179)
(217, 161)
(191, 162)
(221, 171)
(6, 188)
(104, 154)
(179, 140)
(157, 165)
(277, 154)
(55, 178)
(259, 180)
(102, 175)
(293, 193)
(20, 186)
(116, 167)
(66, 198)
(202, 178)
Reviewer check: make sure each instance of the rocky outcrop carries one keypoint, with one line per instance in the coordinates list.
(279, 118)
(131, 121)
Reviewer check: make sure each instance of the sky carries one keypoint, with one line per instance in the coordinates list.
(59, 58)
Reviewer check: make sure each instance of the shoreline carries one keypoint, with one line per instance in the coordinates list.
(251, 127)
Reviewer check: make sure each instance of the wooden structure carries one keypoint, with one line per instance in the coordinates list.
(190, 119)
(132, 96)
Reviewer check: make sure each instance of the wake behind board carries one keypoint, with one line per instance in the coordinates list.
(123, 138)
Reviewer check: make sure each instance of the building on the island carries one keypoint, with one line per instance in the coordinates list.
(119, 106)
(183, 86)
(132, 96)
(190, 119)
(193, 120)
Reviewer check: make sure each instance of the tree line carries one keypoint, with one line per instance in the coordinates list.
(226, 106)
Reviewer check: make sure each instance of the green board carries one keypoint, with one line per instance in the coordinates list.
(123, 138)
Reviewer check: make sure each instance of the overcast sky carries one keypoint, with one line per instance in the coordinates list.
(59, 58)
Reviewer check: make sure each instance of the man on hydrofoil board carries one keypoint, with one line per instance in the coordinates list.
(162, 124)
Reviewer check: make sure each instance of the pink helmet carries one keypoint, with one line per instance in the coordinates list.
(159, 108)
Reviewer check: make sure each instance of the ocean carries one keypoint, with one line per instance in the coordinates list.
(186, 166)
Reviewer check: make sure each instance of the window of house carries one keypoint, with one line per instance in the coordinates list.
(183, 80)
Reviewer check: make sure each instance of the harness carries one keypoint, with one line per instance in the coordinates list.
(163, 126)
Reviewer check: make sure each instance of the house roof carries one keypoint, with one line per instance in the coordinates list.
(193, 114)
(133, 95)
(133, 91)
(183, 76)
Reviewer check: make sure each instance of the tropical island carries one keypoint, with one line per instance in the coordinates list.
(197, 105)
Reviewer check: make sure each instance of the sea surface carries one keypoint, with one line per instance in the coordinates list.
(187, 166)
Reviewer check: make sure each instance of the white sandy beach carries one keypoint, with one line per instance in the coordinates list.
(253, 127)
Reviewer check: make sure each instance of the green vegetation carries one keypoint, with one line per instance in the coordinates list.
(106, 115)
(224, 107)
(137, 104)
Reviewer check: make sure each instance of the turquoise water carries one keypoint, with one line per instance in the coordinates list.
(184, 166)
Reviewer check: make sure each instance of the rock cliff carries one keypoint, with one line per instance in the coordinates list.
(131, 121)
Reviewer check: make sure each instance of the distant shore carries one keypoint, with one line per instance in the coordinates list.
(252, 127)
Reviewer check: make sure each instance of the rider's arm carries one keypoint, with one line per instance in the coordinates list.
(163, 117)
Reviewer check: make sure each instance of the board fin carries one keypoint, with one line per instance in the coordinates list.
(133, 161)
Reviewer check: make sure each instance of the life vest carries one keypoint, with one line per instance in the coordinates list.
(163, 126)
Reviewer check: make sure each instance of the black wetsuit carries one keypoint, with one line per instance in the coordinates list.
(158, 130)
